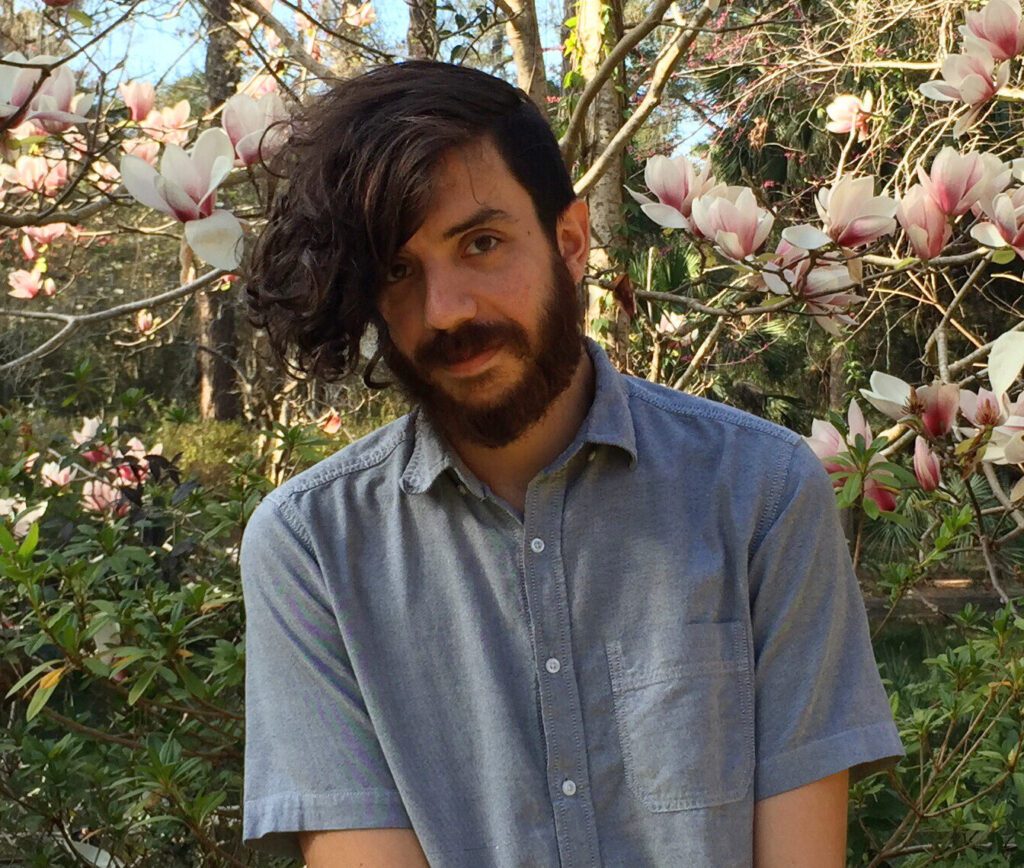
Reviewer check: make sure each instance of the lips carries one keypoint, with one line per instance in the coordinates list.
(471, 364)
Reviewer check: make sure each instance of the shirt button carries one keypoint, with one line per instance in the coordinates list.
(552, 665)
(569, 787)
(462, 489)
(537, 545)
(592, 455)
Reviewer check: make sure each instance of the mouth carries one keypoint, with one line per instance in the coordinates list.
(471, 365)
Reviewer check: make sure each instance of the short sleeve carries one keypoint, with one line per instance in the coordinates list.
(820, 704)
(312, 758)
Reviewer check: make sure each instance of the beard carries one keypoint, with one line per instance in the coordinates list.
(548, 368)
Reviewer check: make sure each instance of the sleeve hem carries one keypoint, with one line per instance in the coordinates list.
(864, 751)
(271, 823)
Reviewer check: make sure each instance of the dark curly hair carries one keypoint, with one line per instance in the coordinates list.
(358, 168)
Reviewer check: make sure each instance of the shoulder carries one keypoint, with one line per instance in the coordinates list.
(381, 454)
(653, 403)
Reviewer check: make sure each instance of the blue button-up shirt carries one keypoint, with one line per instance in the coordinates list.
(671, 630)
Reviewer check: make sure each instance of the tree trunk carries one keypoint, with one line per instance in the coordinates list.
(421, 37)
(524, 38)
(599, 25)
(216, 350)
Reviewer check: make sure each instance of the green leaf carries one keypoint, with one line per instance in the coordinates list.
(140, 685)
(30, 676)
(28, 545)
(7, 541)
(39, 699)
(79, 16)
(1004, 256)
(871, 508)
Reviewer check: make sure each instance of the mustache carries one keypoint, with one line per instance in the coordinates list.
(468, 340)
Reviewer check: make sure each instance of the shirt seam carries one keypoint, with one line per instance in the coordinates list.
(773, 505)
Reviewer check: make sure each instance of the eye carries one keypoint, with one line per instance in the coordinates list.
(483, 244)
(398, 271)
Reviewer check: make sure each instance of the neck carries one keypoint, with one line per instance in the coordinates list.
(507, 470)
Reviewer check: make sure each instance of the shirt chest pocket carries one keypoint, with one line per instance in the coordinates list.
(684, 710)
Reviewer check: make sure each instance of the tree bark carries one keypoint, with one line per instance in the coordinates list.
(216, 351)
(523, 36)
(599, 24)
(421, 37)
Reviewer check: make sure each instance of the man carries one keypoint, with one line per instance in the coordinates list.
(556, 616)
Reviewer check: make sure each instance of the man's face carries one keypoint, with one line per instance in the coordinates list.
(480, 306)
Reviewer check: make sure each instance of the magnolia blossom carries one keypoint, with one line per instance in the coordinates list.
(824, 287)
(996, 28)
(47, 234)
(983, 408)
(260, 84)
(132, 465)
(28, 284)
(331, 423)
(1005, 226)
(828, 444)
(847, 111)
(360, 15)
(935, 405)
(99, 496)
(144, 322)
(53, 106)
(730, 217)
(139, 96)
(52, 474)
(86, 435)
(145, 149)
(168, 125)
(37, 174)
(927, 468)
(970, 78)
(852, 214)
(14, 508)
(675, 183)
(1006, 445)
(254, 125)
(959, 181)
(923, 220)
(186, 188)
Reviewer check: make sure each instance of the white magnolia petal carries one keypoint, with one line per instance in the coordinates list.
(1005, 360)
(806, 236)
(140, 179)
(647, 200)
(217, 239)
(665, 215)
(987, 234)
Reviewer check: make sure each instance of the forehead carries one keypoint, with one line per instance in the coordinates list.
(468, 179)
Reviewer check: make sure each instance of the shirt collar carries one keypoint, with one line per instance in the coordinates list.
(608, 423)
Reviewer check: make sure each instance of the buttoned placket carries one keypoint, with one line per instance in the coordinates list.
(561, 713)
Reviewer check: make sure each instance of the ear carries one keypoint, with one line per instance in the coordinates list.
(573, 235)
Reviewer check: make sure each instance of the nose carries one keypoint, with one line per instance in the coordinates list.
(449, 298)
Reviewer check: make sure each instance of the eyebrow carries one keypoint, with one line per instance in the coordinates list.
(484, 215)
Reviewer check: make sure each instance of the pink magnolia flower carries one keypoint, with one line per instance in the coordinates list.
(731, 219)
(676, 184)
(132, 466)
(28, 284)
(331, 423)
(102, 497)
(927, 468)
(970, 78)
(958, 181)
(852, 214)
(87, 434)
(144, 322)
(255, 126)
(1005, 226)
(983, 408)
(847, 111)
(27, 250)
(47, 234)
(824, 287)
(53, 105)
(935, 405)
(37, 174)
(997, 28)
(923, 220)
(168, 125)
(139, 97)
(53, 475)
(260, 85)
(361, 15)
(144, 149)
(15, 508)
(105, 176)
(186, 188)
